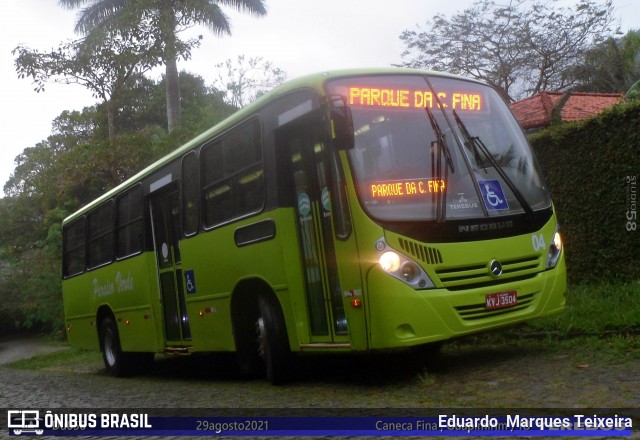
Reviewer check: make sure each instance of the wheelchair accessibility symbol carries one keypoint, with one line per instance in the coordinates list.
(493, 195)
(190, 280)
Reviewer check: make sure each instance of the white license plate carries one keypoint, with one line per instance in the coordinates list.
(500, 300)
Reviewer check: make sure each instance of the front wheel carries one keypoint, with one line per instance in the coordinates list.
(273, 343)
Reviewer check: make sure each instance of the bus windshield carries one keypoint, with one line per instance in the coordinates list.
(438, 148)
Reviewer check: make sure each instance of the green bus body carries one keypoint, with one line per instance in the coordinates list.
(266, 234)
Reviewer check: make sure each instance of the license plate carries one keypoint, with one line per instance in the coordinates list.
(500, 300)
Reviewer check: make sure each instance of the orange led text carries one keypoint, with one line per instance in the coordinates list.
(404, 98)
(406, 188)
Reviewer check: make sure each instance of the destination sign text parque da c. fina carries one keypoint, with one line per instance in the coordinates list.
(405, 98)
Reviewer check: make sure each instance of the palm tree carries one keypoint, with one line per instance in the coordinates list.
(168, 17)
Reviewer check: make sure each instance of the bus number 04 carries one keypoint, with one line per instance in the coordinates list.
(538, 242)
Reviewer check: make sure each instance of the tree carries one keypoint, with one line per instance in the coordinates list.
(106, 69)
(73, 166)
(521, 48)
(634, 91)
(168, 18)
(247, 80)
(612, 66)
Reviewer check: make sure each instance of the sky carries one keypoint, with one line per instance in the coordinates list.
(298, 36)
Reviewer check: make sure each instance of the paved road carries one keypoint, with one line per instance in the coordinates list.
(506, 377)
(12, 350)
(499, 377)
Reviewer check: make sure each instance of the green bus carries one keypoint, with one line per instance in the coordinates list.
(342, 212)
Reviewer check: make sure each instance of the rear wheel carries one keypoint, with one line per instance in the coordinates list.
(117, 362)
(273, 343)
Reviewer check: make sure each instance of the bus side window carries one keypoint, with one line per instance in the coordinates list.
(100, 235)
(232, 175)
(190, 191)
(74, 248)
(129, 227)
(214, 187)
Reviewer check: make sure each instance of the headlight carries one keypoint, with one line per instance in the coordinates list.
(403, 268)
(554, 251)
(409, 271)
(390, 261)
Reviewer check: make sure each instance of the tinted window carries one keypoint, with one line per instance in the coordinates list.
(232, 175)
(100, 224)
(74, 250)
(129, 223)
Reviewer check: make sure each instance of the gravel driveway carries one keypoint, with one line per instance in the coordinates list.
(12, 350)
(505, 376)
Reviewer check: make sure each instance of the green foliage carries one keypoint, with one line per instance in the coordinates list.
(612, 66)
(74, 165)
(158, 24)
(634, 91)
(202, 106)
(593, 171)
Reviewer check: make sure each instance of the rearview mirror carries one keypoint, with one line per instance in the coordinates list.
(341, 123)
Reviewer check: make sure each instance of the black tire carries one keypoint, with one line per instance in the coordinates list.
(273, 343)
(250, 363)
(118, 363)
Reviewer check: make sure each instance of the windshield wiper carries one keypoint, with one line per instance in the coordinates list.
(478, 146)
(442, 148)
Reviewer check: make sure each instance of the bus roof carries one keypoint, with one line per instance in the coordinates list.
(313, 81)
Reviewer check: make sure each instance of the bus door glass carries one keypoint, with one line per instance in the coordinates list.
(165, 215)
(311, 170)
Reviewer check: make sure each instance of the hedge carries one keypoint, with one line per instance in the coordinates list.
(592, 168)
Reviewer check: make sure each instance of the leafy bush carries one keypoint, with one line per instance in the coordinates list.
(593, 171)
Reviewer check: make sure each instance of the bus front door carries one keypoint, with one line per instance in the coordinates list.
(165, 218)
(329, 255)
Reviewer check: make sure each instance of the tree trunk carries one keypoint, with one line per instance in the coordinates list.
(172, 81)
(172, 84)
(111, 124)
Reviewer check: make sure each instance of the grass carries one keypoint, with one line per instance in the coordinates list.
(59, 360)
(600, 322)
(595, 311)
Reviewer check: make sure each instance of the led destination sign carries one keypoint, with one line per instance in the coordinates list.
(406, 188)
(406, 98)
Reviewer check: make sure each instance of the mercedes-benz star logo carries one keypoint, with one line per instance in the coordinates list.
(495, 267)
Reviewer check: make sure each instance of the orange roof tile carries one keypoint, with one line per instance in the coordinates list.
(536, 111)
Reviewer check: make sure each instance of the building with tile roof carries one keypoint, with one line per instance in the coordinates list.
(540, 110)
